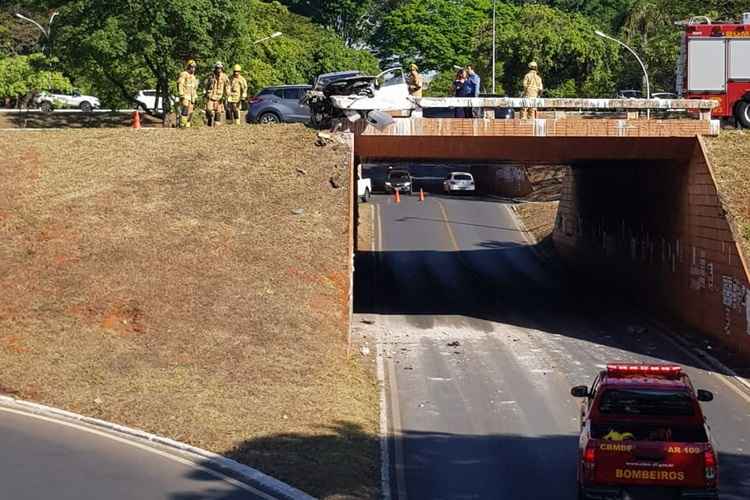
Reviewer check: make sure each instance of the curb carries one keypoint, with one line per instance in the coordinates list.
(707, 358)
(246, 474)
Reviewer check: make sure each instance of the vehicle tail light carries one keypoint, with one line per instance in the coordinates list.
(255, 100)
(709, 462)
(589, 460)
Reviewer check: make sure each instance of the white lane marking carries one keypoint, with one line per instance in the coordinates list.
(385, 460)
(175, 458)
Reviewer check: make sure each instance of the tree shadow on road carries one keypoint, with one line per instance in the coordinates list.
(434, 465)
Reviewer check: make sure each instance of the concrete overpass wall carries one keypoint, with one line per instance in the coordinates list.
(656, 229)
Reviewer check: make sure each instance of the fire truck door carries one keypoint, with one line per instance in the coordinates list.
(707, 68)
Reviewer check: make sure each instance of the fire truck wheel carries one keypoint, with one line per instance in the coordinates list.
(742, 113)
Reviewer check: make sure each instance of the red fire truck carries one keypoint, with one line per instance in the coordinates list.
(715, 64)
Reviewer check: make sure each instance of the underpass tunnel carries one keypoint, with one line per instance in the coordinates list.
(638, 218)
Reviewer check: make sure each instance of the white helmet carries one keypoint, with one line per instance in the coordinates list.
(218, 64)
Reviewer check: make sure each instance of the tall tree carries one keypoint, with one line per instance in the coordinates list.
(353, 20)
(435, 33)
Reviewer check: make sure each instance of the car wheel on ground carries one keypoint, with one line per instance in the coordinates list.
(366, 197)
(46, 106)
(269, 118)
(86, 107)
(742, 113)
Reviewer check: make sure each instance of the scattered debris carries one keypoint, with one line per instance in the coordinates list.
(368, 321)
(298, 211)
(335, 181)
(301, 171)
(455, 343)
(323, 139)
(364, 350)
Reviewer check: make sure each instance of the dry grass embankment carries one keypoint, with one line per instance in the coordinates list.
(161, 280)
(729, 154)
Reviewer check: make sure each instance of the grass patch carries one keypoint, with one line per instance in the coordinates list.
(160, 279)
(729, 155)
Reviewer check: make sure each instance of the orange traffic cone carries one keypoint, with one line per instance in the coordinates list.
(136, 119)
(398, 196)
(421, 194)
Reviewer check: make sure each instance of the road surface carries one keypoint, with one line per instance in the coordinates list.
(482, 344)
(46, 459)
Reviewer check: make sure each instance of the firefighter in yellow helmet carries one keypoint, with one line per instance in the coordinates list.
(414, 81)
(187, 91)
(237, 94)
(532, 88)
(216, 91)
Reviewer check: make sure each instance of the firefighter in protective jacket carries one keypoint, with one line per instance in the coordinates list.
(532, 87)
(237, 94)
(414, 81)
(217, 91)
(187, 90)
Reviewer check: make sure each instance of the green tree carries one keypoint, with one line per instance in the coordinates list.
(573, 61)
(23, 76)
(353, 20)
(123, 46)
(434, 33)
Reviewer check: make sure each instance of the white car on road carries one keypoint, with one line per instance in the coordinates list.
(147, 101)
(459, 182)
(49, 100)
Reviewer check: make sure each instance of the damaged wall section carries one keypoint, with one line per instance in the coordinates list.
(656, 229)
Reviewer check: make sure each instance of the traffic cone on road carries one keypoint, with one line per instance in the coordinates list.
(136, 119)
(398, 196)
(421, 194)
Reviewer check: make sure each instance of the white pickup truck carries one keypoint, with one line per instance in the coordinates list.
(364, 186)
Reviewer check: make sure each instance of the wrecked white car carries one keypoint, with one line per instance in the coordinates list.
(354, 95)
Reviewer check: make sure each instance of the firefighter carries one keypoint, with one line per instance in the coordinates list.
(217, 90)
(532, 87)
(237, 94)
(414, 81)
(187, 90)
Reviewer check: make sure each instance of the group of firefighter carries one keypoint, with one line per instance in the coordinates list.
(221, 92)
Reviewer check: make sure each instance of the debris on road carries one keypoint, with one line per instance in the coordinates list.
(301, 171)
(368, 321)
(298, 211)
(364, 350)
(455, 343)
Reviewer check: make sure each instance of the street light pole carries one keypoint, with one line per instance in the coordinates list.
(494, 42)
(643, 66)
(45, 32)
(272, 35)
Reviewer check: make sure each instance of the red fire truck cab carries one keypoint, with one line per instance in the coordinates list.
(715, 64)
(643, 435)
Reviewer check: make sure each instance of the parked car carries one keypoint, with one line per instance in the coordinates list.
(399, 180)
(629, 94)
(459, 182)
(53, 99)
(277, 104)
(664, 95)
(147, 101)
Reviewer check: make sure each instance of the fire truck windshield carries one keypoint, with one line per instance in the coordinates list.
(646, 403)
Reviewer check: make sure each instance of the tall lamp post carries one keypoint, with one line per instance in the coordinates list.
(46, 32)
(272, 35)
(643, 66)
(494, 43)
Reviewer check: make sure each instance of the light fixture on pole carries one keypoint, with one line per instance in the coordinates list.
(494, 43)
(643, 66)
(46, 32)
(272, 35)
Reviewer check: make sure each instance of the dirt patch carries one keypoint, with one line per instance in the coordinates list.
(193, 284)
(729, 154)
(538, 217)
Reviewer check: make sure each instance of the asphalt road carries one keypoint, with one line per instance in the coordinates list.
(43, 459)
(481, 345)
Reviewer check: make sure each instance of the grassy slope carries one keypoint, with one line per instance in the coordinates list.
(730, 157)
(159, 279)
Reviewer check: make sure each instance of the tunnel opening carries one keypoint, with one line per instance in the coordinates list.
(639, 228)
